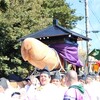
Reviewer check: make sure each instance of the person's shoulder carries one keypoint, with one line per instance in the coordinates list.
(70, 92)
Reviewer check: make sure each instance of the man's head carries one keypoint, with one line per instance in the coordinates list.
(71, 77)
(15, 80)
(45, 76)
(56, 78)
(89, 79)
(82, 79)
(3, 84)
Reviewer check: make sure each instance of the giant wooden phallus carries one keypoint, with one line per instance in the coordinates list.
(39, 54)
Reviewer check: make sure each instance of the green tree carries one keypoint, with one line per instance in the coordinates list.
(60, 10)
(21, 17)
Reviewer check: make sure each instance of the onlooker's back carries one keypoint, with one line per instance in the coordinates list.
(76, 90)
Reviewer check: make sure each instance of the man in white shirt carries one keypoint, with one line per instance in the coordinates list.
(47, 90)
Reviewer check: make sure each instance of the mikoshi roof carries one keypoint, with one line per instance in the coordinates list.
(55, 31)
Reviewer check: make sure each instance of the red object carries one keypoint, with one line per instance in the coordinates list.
(98, 62)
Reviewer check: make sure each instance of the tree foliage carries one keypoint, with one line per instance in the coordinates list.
(60, 10)
(21, 17)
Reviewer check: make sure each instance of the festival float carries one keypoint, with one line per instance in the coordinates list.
(54, 46)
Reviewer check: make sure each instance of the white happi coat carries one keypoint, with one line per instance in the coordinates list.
(47, 92)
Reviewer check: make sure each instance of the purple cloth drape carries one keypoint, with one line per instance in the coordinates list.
(68, 52)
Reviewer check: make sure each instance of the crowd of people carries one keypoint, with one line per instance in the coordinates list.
(66, 86)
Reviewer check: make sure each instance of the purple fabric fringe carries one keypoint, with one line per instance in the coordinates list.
(68, 52)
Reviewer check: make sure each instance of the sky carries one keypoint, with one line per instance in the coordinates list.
(93, 10)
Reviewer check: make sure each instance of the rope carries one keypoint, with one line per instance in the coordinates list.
(61, 67)
(58, 58)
